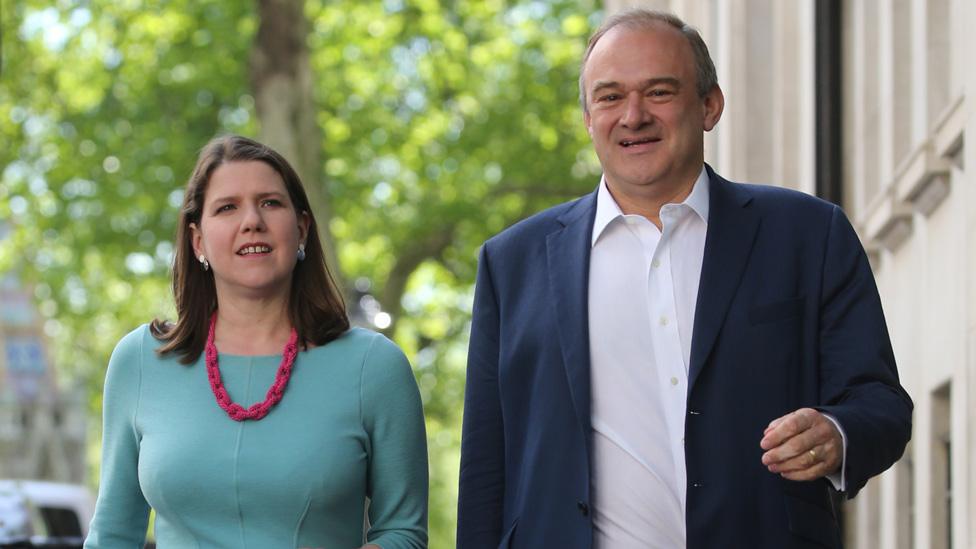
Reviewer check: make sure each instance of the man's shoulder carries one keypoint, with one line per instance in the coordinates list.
(537, 226)
(782, 201)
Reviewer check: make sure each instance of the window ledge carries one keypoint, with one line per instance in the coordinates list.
(947, 134)
(889, 222)
(923, 181)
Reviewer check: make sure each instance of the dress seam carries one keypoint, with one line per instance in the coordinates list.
(237, 455)
(362, 384)
(135, 410)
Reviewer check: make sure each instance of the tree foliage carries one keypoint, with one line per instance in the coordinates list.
(442, 122)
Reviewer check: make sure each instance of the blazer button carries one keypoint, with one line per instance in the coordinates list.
(584, 509)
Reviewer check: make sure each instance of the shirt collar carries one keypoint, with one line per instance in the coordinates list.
(607, 208)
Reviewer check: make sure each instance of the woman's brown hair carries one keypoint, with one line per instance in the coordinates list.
(315, 305)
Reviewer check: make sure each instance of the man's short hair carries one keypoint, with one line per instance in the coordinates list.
(640, 18)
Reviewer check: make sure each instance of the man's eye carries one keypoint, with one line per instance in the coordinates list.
(609, 97)
(659, 93)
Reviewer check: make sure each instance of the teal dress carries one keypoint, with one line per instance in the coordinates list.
(349, 427)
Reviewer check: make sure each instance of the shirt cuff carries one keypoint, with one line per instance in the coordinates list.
(838, 478)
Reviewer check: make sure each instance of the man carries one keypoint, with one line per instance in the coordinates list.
(674, 360)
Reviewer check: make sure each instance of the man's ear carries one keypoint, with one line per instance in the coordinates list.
(714, 103)
(586, 121)
(196, 239)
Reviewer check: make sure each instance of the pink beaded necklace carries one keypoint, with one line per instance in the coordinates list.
(258, 410)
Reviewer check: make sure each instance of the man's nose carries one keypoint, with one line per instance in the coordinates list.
(635, 112)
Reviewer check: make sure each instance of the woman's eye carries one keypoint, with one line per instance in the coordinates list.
(271, 202)
(225, 207)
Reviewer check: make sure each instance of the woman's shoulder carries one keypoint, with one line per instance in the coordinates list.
(136, 347)
(366, 350)
(359, 340)
(135, 342)
(125, 365)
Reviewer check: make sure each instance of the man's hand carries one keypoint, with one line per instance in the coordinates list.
(803, 445)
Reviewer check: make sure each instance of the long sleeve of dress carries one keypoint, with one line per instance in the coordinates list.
(121, 512)
(393, 416)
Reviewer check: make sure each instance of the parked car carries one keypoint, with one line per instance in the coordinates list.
(44, 514)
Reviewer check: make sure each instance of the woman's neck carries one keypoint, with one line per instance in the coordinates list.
(252, 327)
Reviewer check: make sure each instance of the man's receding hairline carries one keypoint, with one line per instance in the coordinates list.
(637, 19)
(636, 26)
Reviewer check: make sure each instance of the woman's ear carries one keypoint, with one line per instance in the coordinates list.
(196, 240)
(304, 222)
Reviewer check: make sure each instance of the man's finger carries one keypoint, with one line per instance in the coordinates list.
(798, 462)
(772, 425)
(793, 447)
(822, 462)
(787, 427)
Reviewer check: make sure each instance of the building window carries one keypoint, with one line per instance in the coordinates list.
(941, 469)
(937, 58)
(905, 500)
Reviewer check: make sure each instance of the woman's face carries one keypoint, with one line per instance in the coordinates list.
(249, 230)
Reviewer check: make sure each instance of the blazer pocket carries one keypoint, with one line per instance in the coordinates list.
(506, 542)
(780, 310)
(812, 523)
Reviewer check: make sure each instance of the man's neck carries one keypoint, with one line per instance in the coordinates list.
(648, 204)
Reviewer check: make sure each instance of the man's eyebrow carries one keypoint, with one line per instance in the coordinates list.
(669, 80)
(600, 85)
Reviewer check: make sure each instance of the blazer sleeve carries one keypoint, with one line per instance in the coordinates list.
(393, 415)
(482, 474)
(859, 383)
(121, 512)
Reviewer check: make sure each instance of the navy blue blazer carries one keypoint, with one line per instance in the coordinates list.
(788, 316)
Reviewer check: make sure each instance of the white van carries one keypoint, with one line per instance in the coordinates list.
(36, 513)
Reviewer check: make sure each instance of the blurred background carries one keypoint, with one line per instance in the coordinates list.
(422, 127)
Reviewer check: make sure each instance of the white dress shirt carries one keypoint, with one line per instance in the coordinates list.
(643, 289)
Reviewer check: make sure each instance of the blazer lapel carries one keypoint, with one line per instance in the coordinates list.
(568, 255)
(731, 233)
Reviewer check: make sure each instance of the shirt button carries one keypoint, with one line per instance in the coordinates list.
(664, 321)
(656, 263)
(674, 381)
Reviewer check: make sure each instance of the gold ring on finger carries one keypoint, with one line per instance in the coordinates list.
(813, 454)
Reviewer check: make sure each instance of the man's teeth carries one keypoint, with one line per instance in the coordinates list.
(636, 142)
(254, 250)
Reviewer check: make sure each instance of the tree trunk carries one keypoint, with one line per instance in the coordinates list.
(281, 81)
(408, 260)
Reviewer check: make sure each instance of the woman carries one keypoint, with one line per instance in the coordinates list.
(259, 418)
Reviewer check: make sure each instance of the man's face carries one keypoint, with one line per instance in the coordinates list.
(643, 111)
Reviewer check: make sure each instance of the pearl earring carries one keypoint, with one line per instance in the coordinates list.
(204, 262)
(301, 252)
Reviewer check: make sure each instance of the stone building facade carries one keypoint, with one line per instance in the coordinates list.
(42, 428)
